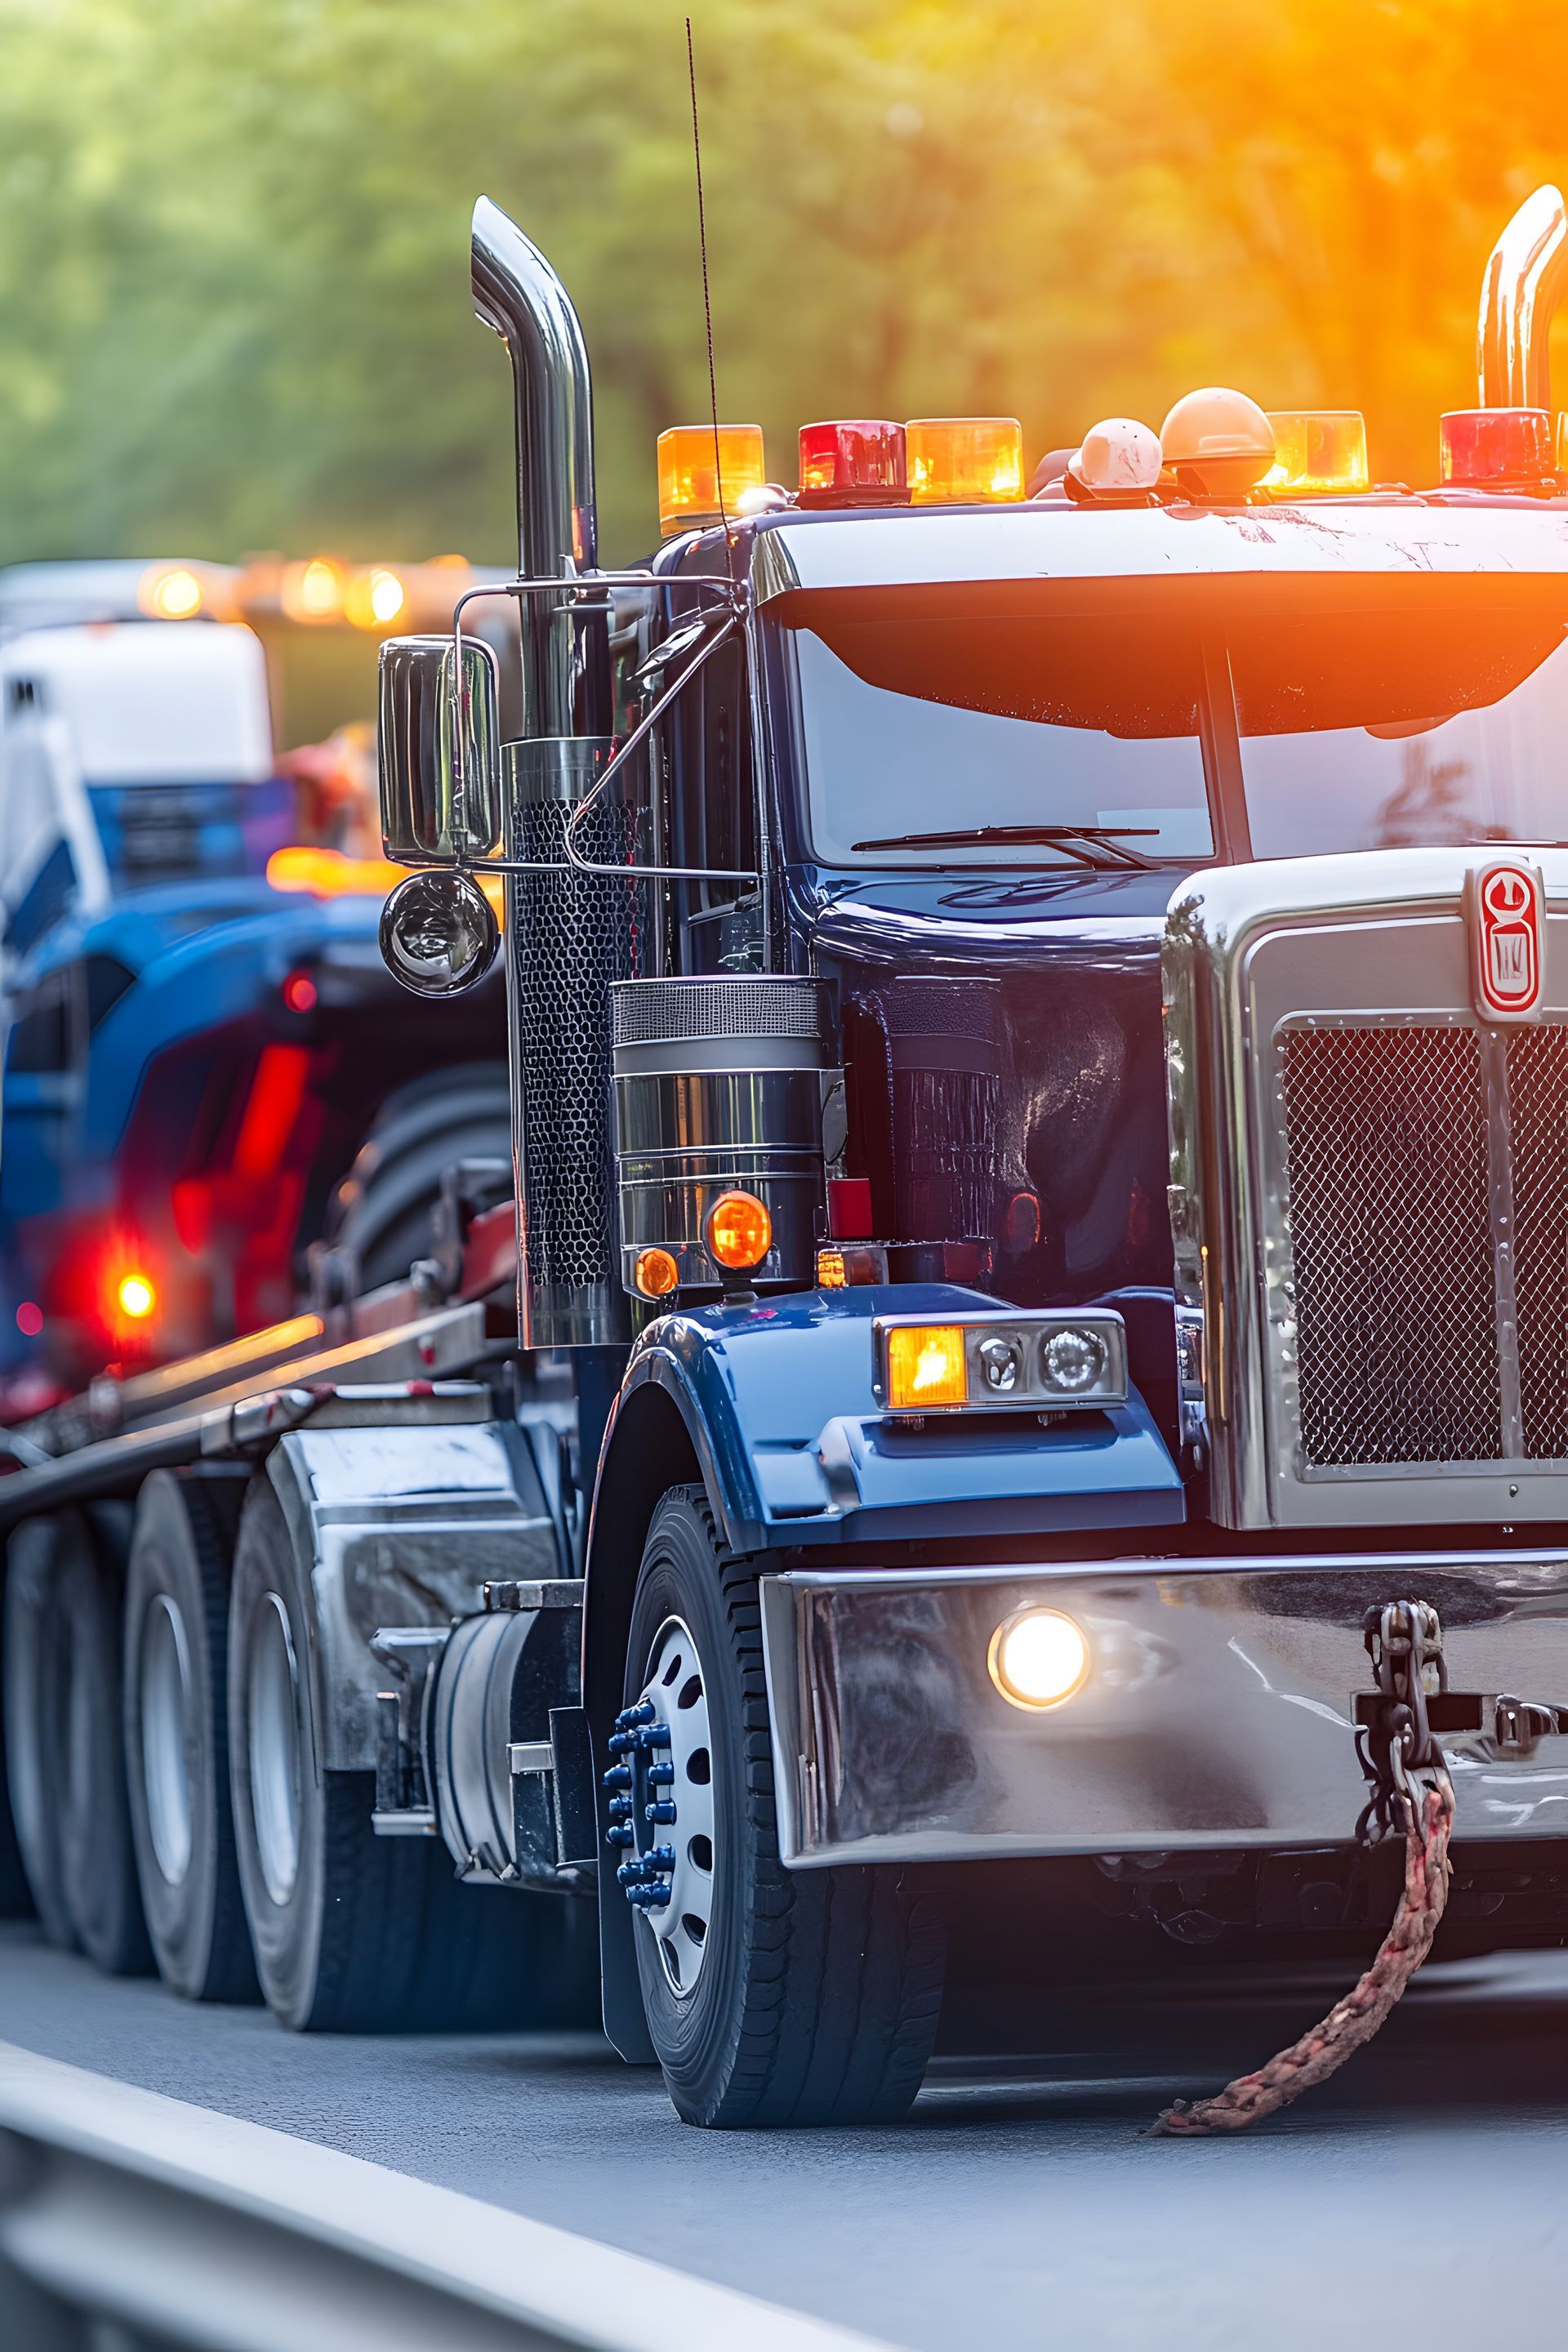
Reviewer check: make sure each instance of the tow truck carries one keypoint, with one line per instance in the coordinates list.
(202, 1074)
(1039, 1047)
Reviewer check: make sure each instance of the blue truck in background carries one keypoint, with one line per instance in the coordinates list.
(201, 1035)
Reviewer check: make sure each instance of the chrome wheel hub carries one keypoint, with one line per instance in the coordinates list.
(275, 1749)
(165, 1705)
(661, 1805)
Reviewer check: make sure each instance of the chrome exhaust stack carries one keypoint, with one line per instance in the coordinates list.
(569, 935)
(1524, 282)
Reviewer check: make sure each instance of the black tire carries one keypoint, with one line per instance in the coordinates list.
(84, 1758)
(369, 1935)
(176, 1733)
(384, 1209)
(818, 1992)
(34, 1706)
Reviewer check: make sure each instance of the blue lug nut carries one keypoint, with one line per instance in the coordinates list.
(632, 1716)
(660, 1857)
(654, 1735)
(619, 1776)
(648, 1898)
(660, 1811)
(660, 1776)
(619, 1742)
(621, 1809)
(620, 1833)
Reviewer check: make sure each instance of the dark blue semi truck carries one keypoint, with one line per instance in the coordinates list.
(1038, 1066)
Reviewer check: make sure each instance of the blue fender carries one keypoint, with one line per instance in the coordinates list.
(777, 1401)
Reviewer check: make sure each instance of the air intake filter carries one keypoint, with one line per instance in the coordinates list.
(719, 1084)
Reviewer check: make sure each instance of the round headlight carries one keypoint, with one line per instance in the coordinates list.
(1072, 1360)
(1038, 1658)
(1001, 1365)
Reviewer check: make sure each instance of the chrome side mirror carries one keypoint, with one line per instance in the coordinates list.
(439, 801)
(438, 933)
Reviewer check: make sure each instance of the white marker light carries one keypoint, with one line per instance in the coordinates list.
(1038, 1659)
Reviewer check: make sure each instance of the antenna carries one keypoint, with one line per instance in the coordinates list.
(707, 299)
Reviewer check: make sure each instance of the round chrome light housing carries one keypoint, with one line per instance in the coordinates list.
(438, 933)
(1072, 1360)
(1038, 1659)
(1000, 1363)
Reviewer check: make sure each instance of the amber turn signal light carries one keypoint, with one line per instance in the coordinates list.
(656, 1273)
(925, 1366)
(738, 1232)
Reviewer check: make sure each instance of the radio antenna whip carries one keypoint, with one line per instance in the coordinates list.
(707, 298)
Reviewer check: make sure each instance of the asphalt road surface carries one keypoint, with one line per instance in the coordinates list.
(1417, 2200)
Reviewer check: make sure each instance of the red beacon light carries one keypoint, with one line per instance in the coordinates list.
(1495, 448)
(853, 462)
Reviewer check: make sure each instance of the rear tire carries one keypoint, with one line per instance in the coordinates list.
(354, 1933)
(35, 1707)
(810, 1997)
(85, 1748)
(384, 1210)
(176, 1733)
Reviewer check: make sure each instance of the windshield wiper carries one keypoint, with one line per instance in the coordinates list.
(1111, 839)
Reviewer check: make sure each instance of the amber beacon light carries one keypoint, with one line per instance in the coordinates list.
(963, 460)
(738, 1232)
(1317, 452)
(695, 465)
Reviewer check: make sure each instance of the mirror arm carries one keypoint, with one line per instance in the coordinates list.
(579, 592)
(618, 759)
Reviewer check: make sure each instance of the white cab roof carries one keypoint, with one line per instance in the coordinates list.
(149, 701)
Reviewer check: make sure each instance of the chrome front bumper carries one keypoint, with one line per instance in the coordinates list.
(1219, 1710)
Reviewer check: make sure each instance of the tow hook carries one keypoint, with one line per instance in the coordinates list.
(1411, 1797)
(638, 1772)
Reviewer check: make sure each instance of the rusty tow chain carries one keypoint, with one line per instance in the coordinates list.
(1412, 1797)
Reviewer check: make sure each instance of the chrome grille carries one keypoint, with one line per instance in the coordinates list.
(1538, 1127)
(1392, 1244)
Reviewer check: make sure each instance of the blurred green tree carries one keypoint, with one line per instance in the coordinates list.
(233, 292)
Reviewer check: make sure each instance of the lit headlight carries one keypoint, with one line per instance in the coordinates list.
(1038, 1659)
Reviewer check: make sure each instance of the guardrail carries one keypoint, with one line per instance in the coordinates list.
(135, 2221)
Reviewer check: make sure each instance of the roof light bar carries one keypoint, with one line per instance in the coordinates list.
(852, 461)
(1495, 448)
(695, 463)
(1318, 453)
(964, 460)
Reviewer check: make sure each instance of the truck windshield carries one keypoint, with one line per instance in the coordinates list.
(1435, 718)
(988, 736)
(993, 726)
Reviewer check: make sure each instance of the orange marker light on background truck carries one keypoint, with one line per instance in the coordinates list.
(692, 469)
(963, 460)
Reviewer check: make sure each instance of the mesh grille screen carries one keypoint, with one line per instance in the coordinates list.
(654, 1011)
(1538, 1120)
(1391, 1234)
(573, 935)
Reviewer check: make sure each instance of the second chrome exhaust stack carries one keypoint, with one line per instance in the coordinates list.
(1525, 280)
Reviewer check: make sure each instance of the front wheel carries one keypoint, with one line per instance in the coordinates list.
(772, 1996)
